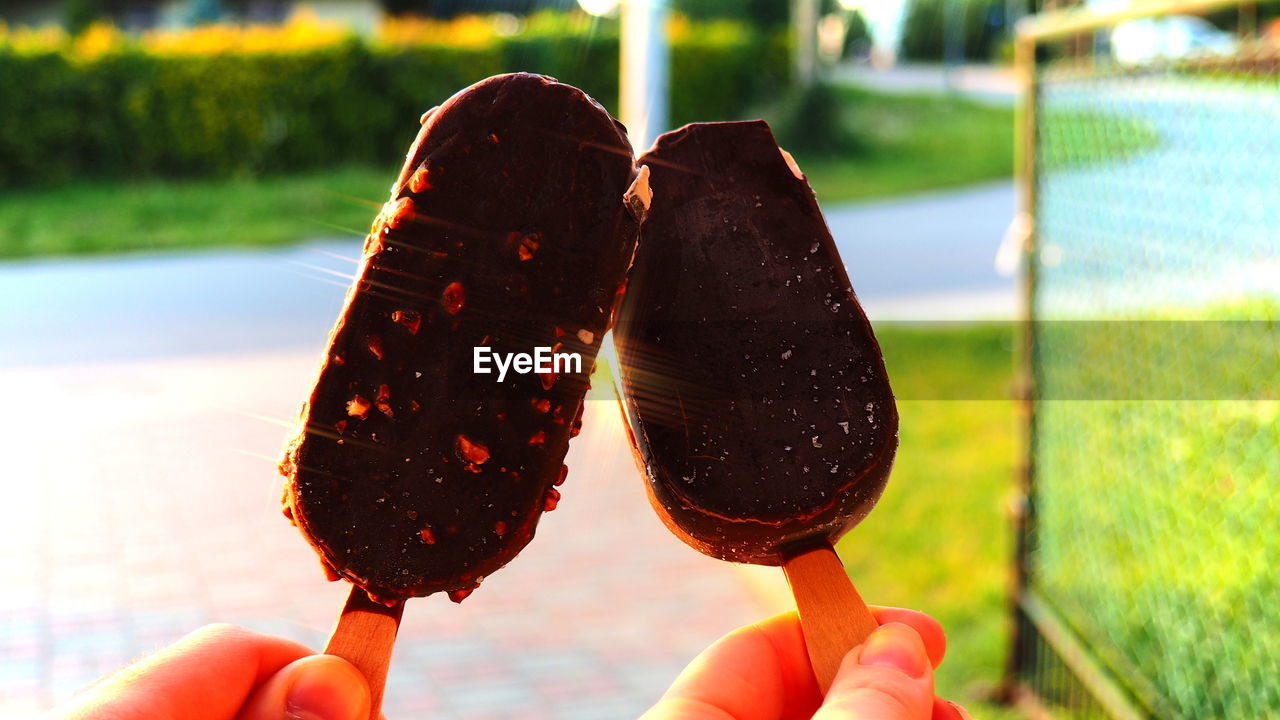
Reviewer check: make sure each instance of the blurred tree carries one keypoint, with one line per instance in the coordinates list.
(1244, 17)
(925, 28)
(450, 8)
(401, 7)
(857, 36)
(202, 12)
(812, 121)
(760, 13)
(80, 14)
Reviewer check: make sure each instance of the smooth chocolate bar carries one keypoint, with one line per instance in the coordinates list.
(507, 231)
(754, 389)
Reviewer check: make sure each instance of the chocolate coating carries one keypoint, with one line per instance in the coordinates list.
(755, 391)
(411, 474)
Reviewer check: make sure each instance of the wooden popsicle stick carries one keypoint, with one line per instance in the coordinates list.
(832, 614)
(364, 637)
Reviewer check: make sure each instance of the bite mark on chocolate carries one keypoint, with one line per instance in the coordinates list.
(640, 196)
(791, 163)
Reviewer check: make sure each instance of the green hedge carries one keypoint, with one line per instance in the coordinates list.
(137, 114)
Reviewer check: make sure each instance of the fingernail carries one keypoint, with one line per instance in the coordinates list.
(327, 689)
(946, 710)
(896, 646)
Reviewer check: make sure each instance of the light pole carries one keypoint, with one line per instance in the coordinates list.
(804, 29)
(646, 70)
(645, 66)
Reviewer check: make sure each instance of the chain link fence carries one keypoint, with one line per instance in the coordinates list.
(1149, 543)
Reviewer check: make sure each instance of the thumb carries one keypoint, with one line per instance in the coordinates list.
(316, 687)
(888, 677)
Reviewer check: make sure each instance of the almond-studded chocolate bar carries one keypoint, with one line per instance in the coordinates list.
(507, 230)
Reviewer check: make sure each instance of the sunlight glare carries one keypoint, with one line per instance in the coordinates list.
(598, 7)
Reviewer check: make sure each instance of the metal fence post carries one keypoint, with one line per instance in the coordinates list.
(1078, 646)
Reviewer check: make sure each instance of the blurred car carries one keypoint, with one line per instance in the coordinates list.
(1171, 37)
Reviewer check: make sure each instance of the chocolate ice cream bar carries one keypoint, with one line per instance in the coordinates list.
(755, 391)
(507, 231)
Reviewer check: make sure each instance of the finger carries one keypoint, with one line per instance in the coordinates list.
(889, 676)
(947, 710)
(757, 672)
(206, 675)
(930, 630)
(317, 687)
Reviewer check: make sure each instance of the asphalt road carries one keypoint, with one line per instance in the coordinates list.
(926, 257)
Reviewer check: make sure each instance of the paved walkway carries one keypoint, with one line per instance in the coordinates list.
(995, 84)
(146, 401)
(924, 257)
(144, 502)
(931, 256)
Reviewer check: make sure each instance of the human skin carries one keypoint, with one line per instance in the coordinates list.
(762, 672)
(757, 672)
(223, 672)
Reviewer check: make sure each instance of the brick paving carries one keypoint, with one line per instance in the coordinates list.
(143, 503)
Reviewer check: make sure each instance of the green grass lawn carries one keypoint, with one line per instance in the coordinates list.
(1156, 500)
(1155, 515)
(913, 143)
(917, 143)
(166, 215)
(940, 540)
